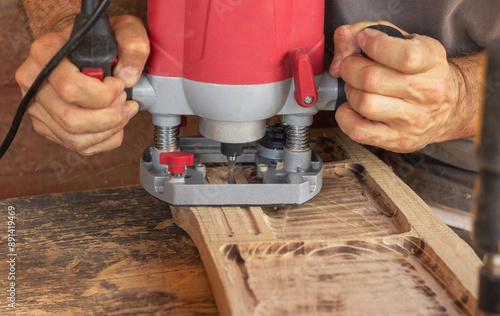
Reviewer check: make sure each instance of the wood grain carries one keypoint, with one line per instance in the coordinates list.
(105, 252)
(365, 245)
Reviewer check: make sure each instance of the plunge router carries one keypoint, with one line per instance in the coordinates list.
(234, 64)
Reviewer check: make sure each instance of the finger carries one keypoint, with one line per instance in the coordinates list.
(374, 133)
(46, 126)
(111, 143)
(42, 129)
(416, 54)
(133, 48)
(370, 76)
(75, 87)
(71, 85)
(376, 107)
(26, 74)
(346, 42)
(78, 120)
(359, 128)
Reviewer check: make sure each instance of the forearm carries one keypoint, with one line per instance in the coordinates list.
(50, 15)
(468, 73)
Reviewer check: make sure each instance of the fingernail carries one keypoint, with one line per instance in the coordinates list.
(362, 40)
(367, 34)
(129, 75)
(334, 66)
(120, 90)
(336, 59)
(341, 30)
(133, 111)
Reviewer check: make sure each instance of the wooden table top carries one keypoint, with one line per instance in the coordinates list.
(105, 252)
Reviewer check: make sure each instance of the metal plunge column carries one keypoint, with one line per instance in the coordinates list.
(165, 139)
(297, 154)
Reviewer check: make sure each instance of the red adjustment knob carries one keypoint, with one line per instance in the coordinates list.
(94, 72)
(176, 161)
(305, 94)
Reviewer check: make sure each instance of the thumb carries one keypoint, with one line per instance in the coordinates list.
(346, 42)
(133, 48)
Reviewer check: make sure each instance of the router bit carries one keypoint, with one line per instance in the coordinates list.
(231, 151)
(231, 164)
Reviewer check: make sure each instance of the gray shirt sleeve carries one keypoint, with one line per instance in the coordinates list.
(462, 26)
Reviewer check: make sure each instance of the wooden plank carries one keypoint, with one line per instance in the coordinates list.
(105, 252)
(366, 245)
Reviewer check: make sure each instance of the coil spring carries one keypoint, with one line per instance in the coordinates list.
(297, 137)
(165, 138)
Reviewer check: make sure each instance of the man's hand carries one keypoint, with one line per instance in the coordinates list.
(81, 112)
(408, 96)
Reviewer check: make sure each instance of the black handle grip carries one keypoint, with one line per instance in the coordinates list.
(487, 206)
(389, 30)
(97, 51)
(487, 219)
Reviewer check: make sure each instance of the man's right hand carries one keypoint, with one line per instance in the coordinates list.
(80, 112)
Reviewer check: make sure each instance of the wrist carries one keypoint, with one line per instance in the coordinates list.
(462, 97)
(456, 94)
(49, 16)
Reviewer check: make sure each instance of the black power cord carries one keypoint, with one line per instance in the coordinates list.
(44, 74)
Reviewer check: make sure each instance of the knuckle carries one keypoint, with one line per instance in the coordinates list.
(37, 48)
(366, 105)
(33, 112)
(38, 127)
(87, 152)
(117, 141)
(69, 122)
(137, 45)
(68, 90)
(406, 144)
(412, 59)
(341, 32)
(420, 121)
(434, 46)
(437, 93)
(371, 79)
(358, 135)
(21, 78)
(78, 146)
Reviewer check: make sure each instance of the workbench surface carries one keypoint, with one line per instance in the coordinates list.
(105, 252)
(365, 245)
